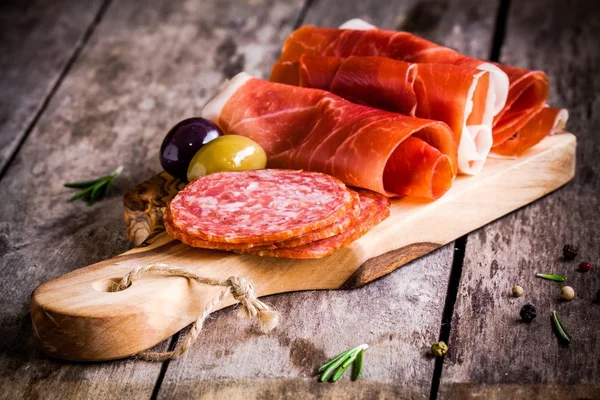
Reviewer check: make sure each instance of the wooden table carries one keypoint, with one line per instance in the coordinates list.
(87, 86)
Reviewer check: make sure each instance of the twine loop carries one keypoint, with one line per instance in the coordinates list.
(241, 289)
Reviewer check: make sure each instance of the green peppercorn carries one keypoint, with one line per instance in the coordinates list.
(528, 313)
(439, 349)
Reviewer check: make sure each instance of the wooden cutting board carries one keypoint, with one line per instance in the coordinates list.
(75, 317)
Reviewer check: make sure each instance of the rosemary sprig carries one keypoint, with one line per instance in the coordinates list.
(94, 189)
(561, 331)
(552, 277)
(341, 362)
(358, 365)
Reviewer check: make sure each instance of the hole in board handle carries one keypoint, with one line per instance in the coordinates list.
(108, 285)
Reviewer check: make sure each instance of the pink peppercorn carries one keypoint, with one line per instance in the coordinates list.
(584, 266)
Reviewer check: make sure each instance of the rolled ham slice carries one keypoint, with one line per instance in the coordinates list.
(520, 94)
(315, 130)
(460, 96)
(549, 119)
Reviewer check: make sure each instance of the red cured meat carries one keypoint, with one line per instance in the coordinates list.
(527, 94)
(337, 227)
(258, 206)
(374, 208)
(456, 95)
(547, 120)
(432, 91)
(194, 241)
(315, 130)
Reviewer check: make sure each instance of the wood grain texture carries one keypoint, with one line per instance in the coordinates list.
(144, 206)
(37, 39)
(493, 355)
(405, 372)
(232, 360)
(145, 68)
(75, 317)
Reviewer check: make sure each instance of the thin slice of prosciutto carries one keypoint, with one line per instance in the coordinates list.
(460, 96)
(312, 129)
(520, 94)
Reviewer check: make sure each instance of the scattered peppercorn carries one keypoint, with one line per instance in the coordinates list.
(598, 296)
(439, 349)
(570, 252)
(567, 293)
(528, 313)
(584, 266)
(517, 291)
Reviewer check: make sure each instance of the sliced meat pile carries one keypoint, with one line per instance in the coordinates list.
(460, 96)
(522, 117)
(280, 213)
(315, 130)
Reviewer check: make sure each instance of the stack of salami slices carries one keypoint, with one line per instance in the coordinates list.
(273, 212)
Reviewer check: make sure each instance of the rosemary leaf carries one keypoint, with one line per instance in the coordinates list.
(332, 367)
(561, 331)
(351, 358)
(334, 359)
(340, 363)
(338, 373)
(82, 184)
(97, 191)
(358, 365)
(94, 189)
(552, 277)
(81, 193)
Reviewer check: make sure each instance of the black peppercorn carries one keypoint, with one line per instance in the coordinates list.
(528, 313)
(598, 296)
(570, 252)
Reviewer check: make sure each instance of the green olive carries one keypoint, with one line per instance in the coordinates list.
(227, 153)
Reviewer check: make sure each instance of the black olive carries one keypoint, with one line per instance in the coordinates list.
(570, 252)
(528, 313)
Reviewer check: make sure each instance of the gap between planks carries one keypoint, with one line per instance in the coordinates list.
(460, 245)
(175, 338)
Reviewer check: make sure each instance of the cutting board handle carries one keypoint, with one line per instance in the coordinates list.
(77, 317)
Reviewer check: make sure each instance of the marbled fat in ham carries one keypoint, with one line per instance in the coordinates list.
(311, 129)
(517, 110)
(460, 96)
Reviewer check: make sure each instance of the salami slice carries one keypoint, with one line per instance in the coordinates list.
(374, 208)
(258, 206)
(190, 240)
(336, 228)
(331, 230)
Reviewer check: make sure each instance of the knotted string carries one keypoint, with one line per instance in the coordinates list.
(240, 288)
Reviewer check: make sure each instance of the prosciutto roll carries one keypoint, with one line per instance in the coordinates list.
(520, 94)
(315, 130)
(460, 96)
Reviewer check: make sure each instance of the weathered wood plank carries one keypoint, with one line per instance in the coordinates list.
(37, 39)
(74, 318)
(398, 316)
(146, 67)
(492, 354)
(232, 360)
